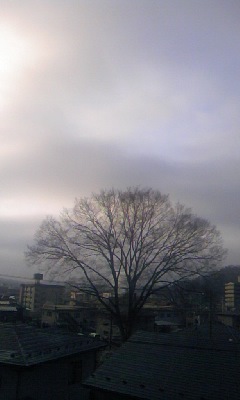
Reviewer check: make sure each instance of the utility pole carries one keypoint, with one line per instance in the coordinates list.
(110, 333)
(210, 314)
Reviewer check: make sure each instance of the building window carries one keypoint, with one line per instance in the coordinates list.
(49, 313)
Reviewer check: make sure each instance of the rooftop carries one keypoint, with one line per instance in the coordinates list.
(44, 283)
(188, 365)
(25, 345)
(60, 307)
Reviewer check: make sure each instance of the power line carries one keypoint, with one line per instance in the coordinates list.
(27, 279)
(17, 277)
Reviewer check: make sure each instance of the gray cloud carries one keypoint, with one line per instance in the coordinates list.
(117, 94)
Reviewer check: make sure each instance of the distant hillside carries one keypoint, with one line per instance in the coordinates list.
(229, 273)
(216, 281)
(211, 286)
(11, 283)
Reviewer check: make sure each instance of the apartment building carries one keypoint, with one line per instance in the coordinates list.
(232, 296)
(34, 295)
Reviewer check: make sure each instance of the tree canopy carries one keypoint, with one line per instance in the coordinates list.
(126, 243)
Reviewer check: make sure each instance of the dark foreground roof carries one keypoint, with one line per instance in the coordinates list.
(187, 365)
(25, 345)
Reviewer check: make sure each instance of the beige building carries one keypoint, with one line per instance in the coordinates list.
(81, 298)
(232, 296)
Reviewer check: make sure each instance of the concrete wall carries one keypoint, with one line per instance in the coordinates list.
(101, 395)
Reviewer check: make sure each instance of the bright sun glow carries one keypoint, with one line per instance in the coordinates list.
(16, 53)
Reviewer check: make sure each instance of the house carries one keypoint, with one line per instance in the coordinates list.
(81, 298)
(10, 311)
(73, 318)
(63, 316)
(44, 364)
(167, 319)
(229, 318)
(193, 364)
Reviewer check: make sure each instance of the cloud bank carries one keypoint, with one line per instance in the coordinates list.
(117, 93)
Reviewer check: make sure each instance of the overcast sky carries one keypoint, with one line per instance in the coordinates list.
(115, 93)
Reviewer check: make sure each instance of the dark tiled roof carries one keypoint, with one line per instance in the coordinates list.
(217, 336)
(25, 345)
(173, 367)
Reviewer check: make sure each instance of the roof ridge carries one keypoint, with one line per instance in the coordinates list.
(21, 347)
(215, 348)
(27, 346)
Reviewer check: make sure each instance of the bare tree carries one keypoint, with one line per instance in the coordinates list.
(129, 242)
